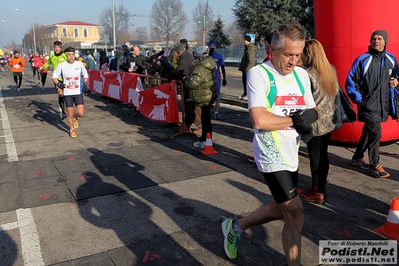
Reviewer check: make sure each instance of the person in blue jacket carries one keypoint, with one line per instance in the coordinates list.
(220, 72)
(367, 85)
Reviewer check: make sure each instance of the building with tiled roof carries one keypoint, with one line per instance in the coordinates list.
(82, 35)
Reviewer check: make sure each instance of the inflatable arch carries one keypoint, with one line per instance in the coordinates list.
(344, 27)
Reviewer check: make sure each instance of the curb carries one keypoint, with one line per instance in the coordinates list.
(233, 100)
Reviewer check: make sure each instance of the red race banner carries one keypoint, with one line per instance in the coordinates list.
(158, 103)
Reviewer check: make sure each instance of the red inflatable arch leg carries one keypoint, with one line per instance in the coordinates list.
(343, 27)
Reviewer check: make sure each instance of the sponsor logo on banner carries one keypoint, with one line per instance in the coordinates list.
(157, 103)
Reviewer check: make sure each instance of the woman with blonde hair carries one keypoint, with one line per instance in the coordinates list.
(324, 84)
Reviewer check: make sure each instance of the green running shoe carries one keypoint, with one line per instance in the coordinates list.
(231, 238)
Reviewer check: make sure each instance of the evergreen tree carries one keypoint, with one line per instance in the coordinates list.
(260, 16)
(217, 35)
(307, 20)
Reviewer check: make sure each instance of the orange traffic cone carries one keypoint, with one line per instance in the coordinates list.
(208, 146)
(391, 227)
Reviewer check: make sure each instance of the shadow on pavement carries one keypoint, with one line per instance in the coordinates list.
(46, 113)
(8, 249)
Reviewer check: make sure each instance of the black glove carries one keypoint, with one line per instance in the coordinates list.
(61, 85)
(303, 119)
(307, 134)
(85, 87)
(180, 75)
(211, 51)
(224, 82)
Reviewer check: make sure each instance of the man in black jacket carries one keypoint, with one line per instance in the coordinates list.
(368, 85)
(184, 70)
(135, 62)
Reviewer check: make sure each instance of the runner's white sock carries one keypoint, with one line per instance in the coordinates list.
(237, 228)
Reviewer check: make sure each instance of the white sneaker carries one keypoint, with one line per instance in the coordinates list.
(199, 144)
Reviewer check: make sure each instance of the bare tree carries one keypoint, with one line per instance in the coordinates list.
(198, 19)
(235, 34)
(44, 42)
(168, 20)
(122, 18)
(141, 34)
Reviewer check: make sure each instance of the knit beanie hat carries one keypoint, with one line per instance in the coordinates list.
(212, 42)
(382, 33)
(248, 38)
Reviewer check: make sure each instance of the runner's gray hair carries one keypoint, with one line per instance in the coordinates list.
(293, 31)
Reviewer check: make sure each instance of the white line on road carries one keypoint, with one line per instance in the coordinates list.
(9, 226)
(30, 244)
(9, 140)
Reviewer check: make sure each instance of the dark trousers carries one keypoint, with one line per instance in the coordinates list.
(197, 120)
(39, 77)
(34, 70)
(244, 83)
(17, 78)
(61, 102)
(189, 112)
(43, 77)
(206, 121)
(369, 140)
(318, 157)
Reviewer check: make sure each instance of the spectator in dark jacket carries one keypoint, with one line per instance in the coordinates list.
(248, 61)
(184, 70)
(104, 60)
(135, 62)
(125, 53)
(368, 85)
(161, 66)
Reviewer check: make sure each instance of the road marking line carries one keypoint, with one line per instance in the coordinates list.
(30, 244)
(9, 226)
(12, 154)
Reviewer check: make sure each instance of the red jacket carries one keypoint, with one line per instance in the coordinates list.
(39, 62)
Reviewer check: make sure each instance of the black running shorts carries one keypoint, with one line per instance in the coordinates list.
(73, 99)
(282, 185)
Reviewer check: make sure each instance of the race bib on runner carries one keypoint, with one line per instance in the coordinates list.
(72, 82)
(285, 105)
